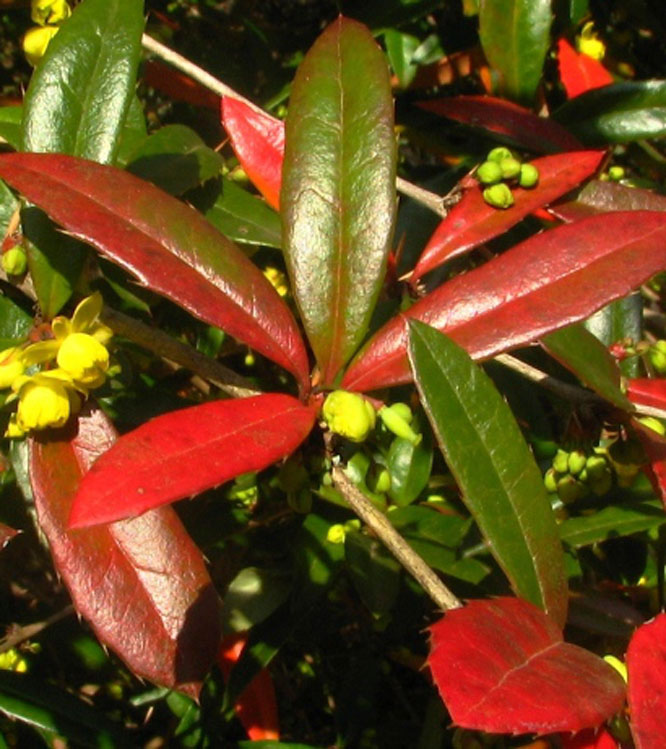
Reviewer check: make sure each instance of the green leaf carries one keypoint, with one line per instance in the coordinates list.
(619, 113)
(48, 708)
(409, 466)
(252, 596)
(133, 134)
(175, 159)
(81, 91)
(400, 49)
(8, 206)
(239, 215)
(615, 322)
(14, 323)
(515, 35)
(10, 125)
(338, 189)
(588, 358)
(612, 521)
(374, 572)
(493, 466)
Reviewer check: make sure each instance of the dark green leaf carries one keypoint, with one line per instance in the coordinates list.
(619, 113)
(612, 521)
(252, 596)
(400, 49)
(374, 572)
(134, 132)
(81, 91)
(175, 159)
(338, 189)
(515, 35)
(409, 466)
(617, 321)
(587, 357)
(14, 323)
(10, 125)
(486, 452)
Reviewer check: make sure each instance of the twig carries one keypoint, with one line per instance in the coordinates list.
(428, 199)
(167, 347)
(394, 542)
(30, 630)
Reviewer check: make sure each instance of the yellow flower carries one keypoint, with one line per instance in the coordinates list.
(349, 415)
(277, 279)
(35, 42)
(45, 400)
(49, 11)
(11, 366)
(589, 43)
(12, 660)
(84, 359)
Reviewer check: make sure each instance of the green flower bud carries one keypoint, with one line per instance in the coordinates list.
(403, 410)
(395, 423)
(349, 415)
(498, 196)
(15, 261)
(499, 153)
(602, 483)
(510, 168)
(561, 461)
(379, 480)
(336, 534)
(489, 173)
(616, 173)
(576, 461)
(569, 489)
(596, 466)
(657, 355)
(529, 176)
(550, 481)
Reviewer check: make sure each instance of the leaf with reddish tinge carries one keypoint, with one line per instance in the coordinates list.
(543, 284)
(472, 221)
(142, 584)
(601, 197)
(6, 535)
(258, 142)
(338, 190)
(188, 451)
(644, 391)
(502, 666)
(579, 72)
(507, 120)
(170, 247)
(590, 739)
(646, 666)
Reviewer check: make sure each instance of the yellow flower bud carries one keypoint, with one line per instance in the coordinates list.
(589, 43)
(43, 403)
(49, 11)
(277, 279)
(12, 660)
(11, 366)
(349, 415)
(36, 41)
(15, 261)
(83, 358)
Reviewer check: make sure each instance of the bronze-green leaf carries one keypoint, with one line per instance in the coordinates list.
(338, 189)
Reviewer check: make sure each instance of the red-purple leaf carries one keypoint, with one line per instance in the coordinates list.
(602, 197)
(545, 283)
(6, 535)
(646, 666)
(647, 392)
(472, 221)
(502, 666)
(654, 445)
(509, 120)
(258, 142)
(579, 72)
(142, 584)
(170, 247)
(188, 451)
(589, 739)
(178, 86)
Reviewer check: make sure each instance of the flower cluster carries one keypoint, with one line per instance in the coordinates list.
(48, 14)
(47, 395)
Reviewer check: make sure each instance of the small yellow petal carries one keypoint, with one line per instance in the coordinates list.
(86, 313)
(35, 42)
(42, 404)
(11, 366)
(49, 11)
(84, 359)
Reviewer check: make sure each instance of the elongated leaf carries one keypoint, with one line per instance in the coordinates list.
(619, 113)
(583, 354)
(167, 245)
(545, 283)
(178, 86)
(646, 664)
(502, 666)
(80, 92)
(590, 739)
(15, 324)
(601, 197)
(647, 392)
(515, 35)
(579, 72)
(258, 141)
(142, 584)
(10, 125)
(338, 193)
(493, 466)
(187, 451)
(472, 221)
(508, 120)
(612, 521)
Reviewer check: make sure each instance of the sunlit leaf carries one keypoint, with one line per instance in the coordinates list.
(579, 72)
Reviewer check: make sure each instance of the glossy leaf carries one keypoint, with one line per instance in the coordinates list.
(502, 666)
(188, 451)
(620, 113)
(81, 91)
(374, 573)
(170, 247)
(515, 36)
(142, 584)
(617, 321)
(507, 120)
(579, 72)
(501, 484)
(647, 392)
(15, 324)
(612, 521)
(541, 285)
(8, 208)
(601, 197)
(472, 221)
(409, 466)
(646, 664)
(10, 125)
(338, 192)
(258, 142)
(584, 355)
(590, 739)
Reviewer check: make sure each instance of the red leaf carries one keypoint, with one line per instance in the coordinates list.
(502, 666)
(505, 118)
(543, 284)
(654, 446)
(589, 739)
(647, 392)
(578, 72)
(256, 707)
(188, 451)
(142, 584)
(6, 535)
(646, 666)
(169, 246)
(472, 221)
(178, 86)
(258, 142)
